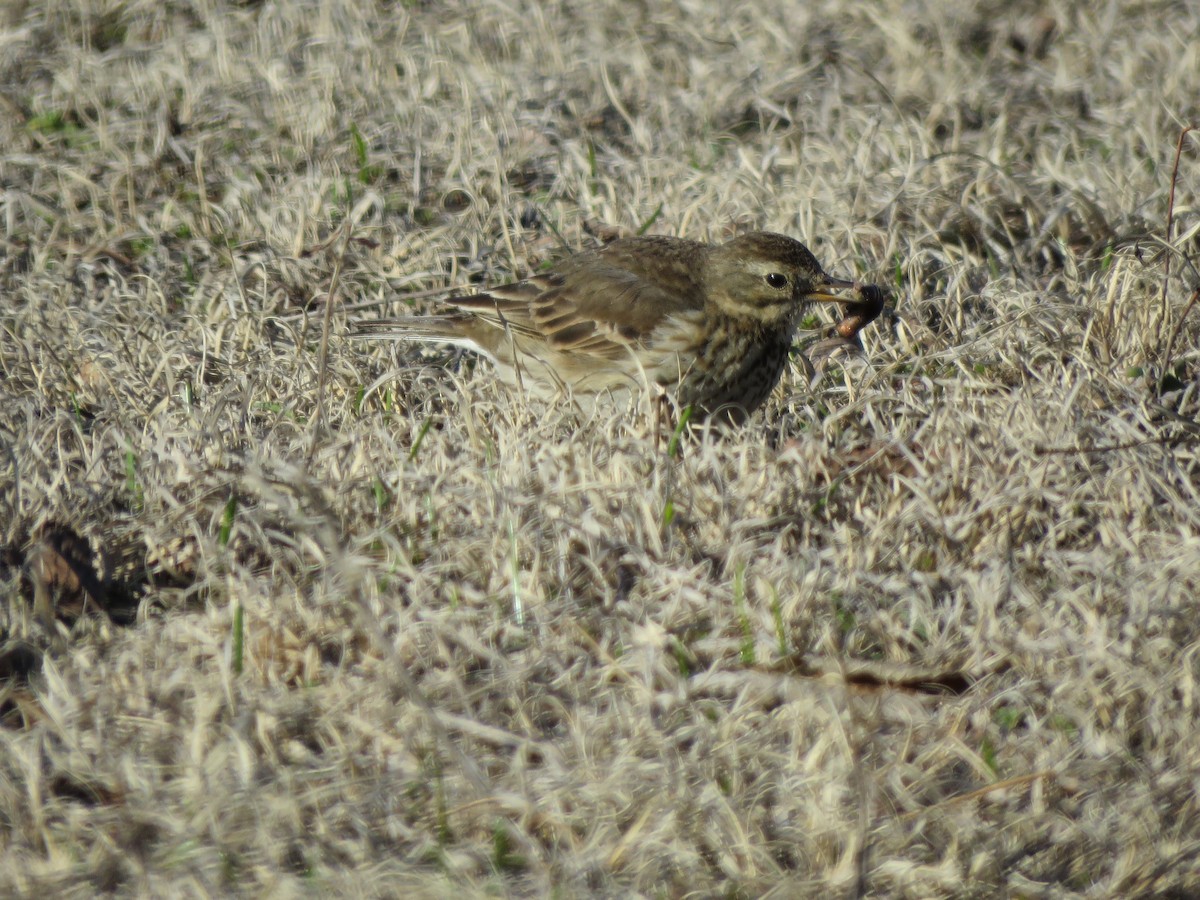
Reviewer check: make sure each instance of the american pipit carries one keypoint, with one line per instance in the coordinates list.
(709, 324)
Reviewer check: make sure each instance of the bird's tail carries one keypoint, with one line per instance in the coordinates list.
(440, 329)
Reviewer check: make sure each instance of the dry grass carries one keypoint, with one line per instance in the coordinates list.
(927, 630)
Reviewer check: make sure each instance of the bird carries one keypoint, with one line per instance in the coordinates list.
(709, 325)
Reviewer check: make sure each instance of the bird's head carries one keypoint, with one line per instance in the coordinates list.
(768, 278)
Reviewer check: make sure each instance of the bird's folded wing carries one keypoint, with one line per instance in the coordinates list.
(602, 311)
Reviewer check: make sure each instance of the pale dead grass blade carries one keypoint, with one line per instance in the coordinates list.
(925, 627)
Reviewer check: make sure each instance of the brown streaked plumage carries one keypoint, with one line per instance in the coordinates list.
(710, 324)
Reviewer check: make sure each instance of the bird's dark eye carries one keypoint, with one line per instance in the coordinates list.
(777, 280)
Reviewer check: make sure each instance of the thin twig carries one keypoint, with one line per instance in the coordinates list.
(1178, 328)
(1016, 781)
(1166, 441)
(326, 325)
(1171, 226)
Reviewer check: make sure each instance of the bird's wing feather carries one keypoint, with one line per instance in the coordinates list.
(600, 303)
(602, 310)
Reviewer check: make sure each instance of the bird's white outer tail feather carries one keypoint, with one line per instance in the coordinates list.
(414, 329)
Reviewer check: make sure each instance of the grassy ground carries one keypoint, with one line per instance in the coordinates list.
(927, 629)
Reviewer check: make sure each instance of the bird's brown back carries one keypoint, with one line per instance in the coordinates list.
(598, 302)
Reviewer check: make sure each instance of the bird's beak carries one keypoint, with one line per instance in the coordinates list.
(861, 299)
(864, 302)
(835, 290)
